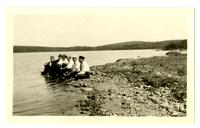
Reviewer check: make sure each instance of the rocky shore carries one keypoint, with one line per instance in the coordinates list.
(153, 86)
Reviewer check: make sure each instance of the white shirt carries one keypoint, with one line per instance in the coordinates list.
(61, 61)
(76, 66)
(84, 67)
(65, 61)
(70, 64)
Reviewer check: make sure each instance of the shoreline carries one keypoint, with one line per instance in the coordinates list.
(101, 50)
(154, 86)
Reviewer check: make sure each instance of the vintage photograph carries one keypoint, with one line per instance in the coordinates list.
(126, 62)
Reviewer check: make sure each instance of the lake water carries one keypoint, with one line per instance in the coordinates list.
(34, 95)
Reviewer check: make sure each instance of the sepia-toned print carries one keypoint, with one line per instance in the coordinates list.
(102, 62)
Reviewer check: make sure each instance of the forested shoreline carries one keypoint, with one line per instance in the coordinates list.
(163, 45)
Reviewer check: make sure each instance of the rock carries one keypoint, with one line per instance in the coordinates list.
(137, 92)
(83, 104)
(173, 53)
(111, 98)
(114, 114)
(76, 85)
(87, 90)
(97, 73)
(123, 106)
(154, 99)
(76, 105)
(102, 110)
(123, 103)
(137, 109)
(169, 75)
(92, 97)
(103, 74)
(82, 98)
(123, 94)
(85, 109)
(180, 107)
(82, 112)
(146, 86)
(129, 99)
(177, 114)
(84, 85)
(158, 73)
(68, 90)
(119, 96)
(170, 110)
(157, 93)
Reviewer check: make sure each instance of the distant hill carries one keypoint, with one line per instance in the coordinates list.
(164, 45)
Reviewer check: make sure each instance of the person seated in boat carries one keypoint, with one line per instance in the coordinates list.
(47, 66)
(84, 69)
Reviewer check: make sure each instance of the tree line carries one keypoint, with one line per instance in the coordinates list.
(163, 45)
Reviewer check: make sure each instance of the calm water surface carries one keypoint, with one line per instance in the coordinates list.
(34, 95)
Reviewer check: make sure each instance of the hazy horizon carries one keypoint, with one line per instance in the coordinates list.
(97, 45)
(100, 26)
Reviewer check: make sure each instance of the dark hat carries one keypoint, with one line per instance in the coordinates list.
(59, 55)
(64, 55)
(81, 57)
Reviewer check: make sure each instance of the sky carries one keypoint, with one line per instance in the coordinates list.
(99, 26)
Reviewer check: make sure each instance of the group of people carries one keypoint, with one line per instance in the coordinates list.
(67, 67)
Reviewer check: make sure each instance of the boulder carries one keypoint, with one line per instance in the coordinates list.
(87, 90)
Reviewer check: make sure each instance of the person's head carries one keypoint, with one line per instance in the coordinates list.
(51, 58)
(63, 57)
(81, 59)
(74, 58)
(59, 56)
(69, 58)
